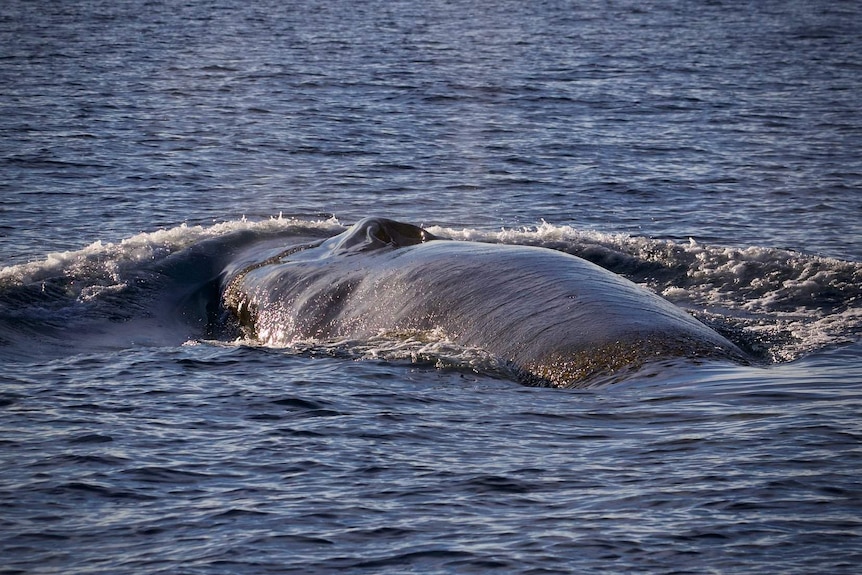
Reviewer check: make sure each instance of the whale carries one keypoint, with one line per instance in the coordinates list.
(554, 318)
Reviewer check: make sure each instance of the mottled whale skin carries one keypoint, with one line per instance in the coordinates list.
(556, 318)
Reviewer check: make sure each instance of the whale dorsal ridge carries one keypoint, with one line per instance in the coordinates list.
(378, 233)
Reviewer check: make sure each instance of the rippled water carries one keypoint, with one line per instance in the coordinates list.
(709, 151)
(723, 121)
(191, 460)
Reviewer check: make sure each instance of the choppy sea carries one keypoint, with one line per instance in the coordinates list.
(710, 151)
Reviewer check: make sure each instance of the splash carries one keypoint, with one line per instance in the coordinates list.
(106, 261)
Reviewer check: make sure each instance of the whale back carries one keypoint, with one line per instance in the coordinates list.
(555, 317)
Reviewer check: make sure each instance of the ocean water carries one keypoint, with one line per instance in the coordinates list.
(710, 151)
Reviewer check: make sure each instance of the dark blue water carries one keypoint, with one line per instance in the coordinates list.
(710, 151)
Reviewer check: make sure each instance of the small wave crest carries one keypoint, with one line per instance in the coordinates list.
(102, 262)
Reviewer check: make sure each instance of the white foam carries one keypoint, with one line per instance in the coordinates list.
(531, 235)
(106, 259)
(432, 348)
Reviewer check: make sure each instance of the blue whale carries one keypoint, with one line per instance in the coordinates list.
(555, 318)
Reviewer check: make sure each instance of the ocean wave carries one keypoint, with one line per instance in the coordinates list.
(102, 260)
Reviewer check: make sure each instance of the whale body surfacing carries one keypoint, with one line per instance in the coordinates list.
(555, 318)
